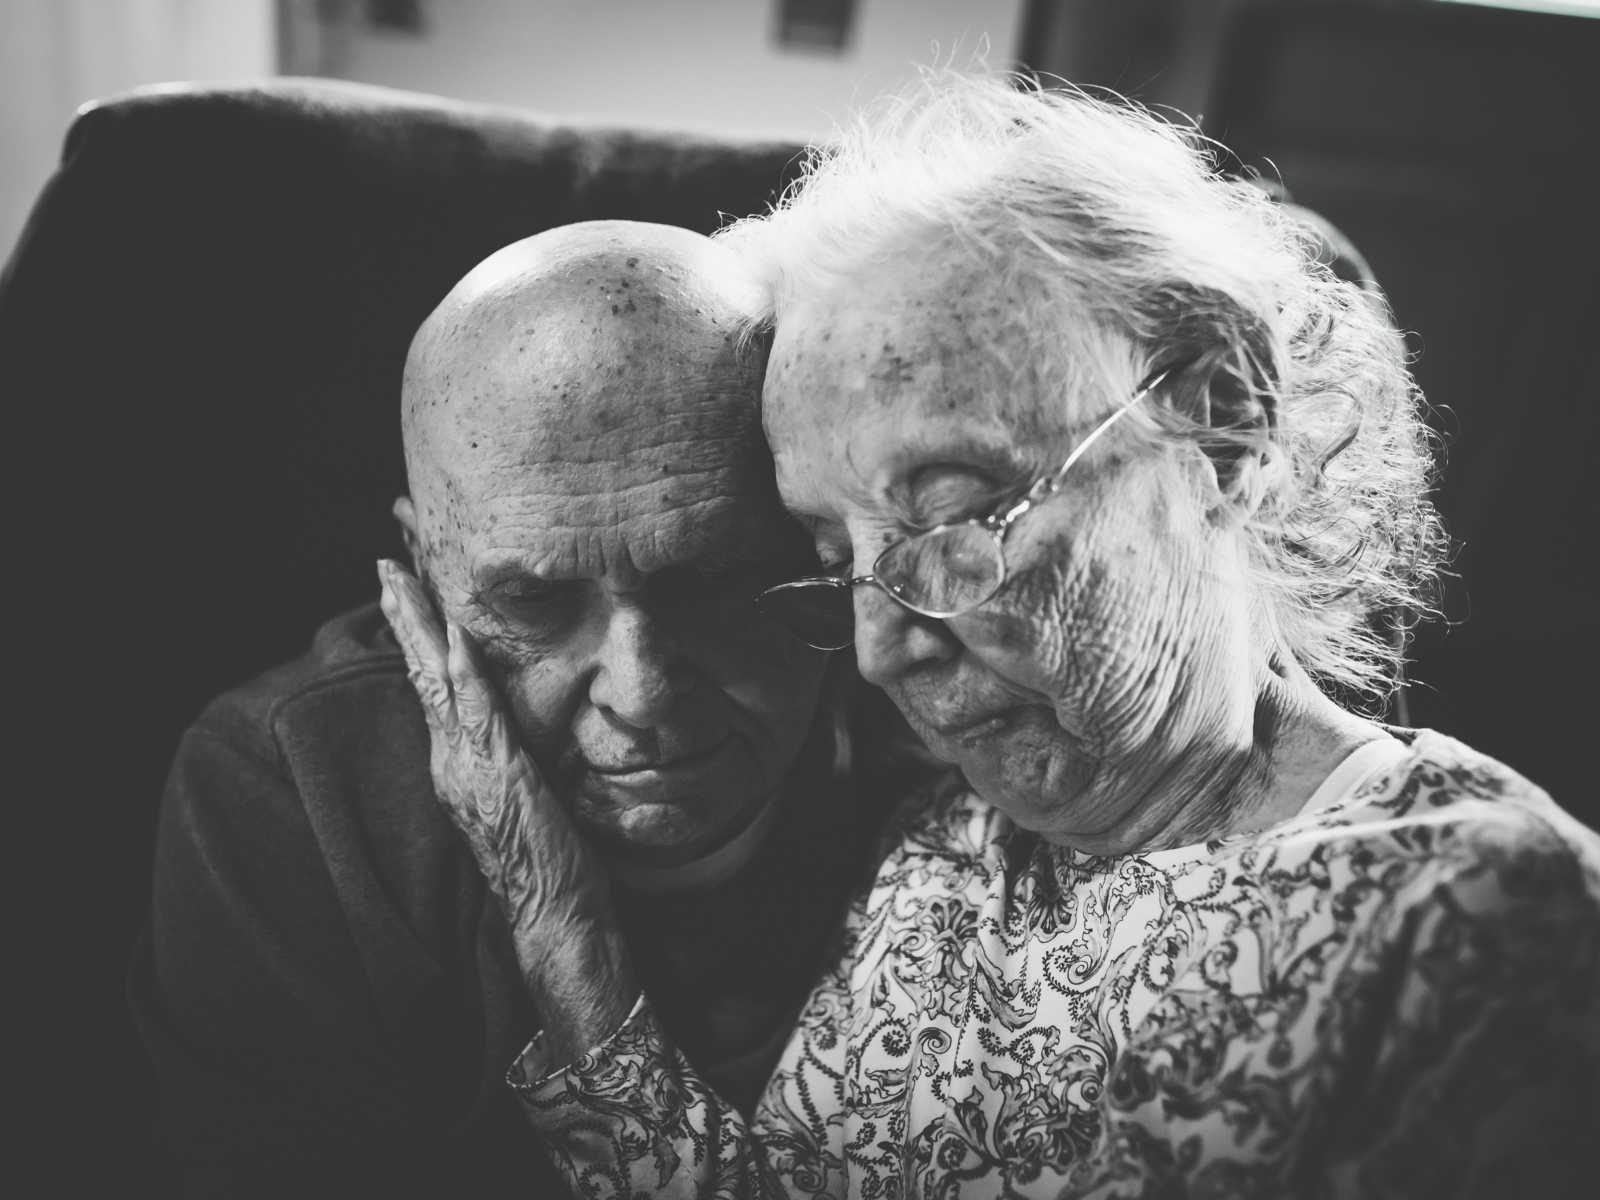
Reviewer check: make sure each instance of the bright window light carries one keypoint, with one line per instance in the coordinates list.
(1574, 8)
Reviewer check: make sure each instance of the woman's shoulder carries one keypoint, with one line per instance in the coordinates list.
(1444, 782)
(1446, 816)
(1440, 771)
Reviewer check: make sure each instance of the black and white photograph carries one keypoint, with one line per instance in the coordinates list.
(804, 599)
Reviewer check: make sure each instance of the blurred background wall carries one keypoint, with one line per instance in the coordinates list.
(711, 65)
(57, 54)
(714, 65)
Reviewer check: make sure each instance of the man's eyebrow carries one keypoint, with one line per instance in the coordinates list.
(498, 589)
(500, 567)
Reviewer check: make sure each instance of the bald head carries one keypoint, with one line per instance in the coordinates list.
(606, 342)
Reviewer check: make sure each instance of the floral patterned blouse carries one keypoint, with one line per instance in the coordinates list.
(1393, 994)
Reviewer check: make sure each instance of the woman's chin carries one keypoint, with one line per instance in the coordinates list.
(1028, 768)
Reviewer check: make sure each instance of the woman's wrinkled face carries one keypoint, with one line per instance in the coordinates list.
(1115, 648)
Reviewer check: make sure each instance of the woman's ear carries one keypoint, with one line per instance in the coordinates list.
(406, 514)
(1226, 392)
(1223, 385)
(1231, 408)
(1229, 399)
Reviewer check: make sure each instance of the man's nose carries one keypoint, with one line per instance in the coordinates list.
(639, 672)
(892, 640)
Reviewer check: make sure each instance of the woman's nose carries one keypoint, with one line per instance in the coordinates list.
(640, 672)
(891, 640)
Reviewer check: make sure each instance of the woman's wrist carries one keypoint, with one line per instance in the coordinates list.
(580, 978)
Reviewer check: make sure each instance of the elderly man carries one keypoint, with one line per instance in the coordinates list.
(330, 988)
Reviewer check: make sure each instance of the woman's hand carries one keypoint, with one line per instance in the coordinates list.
(554, 893)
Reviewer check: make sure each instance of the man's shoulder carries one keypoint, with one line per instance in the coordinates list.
(331, 746)
(352, 666)
(352, 652)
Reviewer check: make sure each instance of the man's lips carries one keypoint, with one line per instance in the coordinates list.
(641, 766)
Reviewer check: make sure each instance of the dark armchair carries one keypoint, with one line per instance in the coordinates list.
(1459, 147)
(202, 331)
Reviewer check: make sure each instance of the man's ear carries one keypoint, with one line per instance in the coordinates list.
(406, 513)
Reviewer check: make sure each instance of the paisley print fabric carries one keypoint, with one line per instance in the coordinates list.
(1396, 995)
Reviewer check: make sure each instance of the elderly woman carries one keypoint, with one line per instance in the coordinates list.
(1114, 487)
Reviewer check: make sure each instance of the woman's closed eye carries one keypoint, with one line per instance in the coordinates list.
(946, 495)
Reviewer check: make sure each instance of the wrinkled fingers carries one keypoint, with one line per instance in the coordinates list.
(410, 615)
(481, 720)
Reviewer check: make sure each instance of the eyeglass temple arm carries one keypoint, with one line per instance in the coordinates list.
(1053, 482)
(815, 580)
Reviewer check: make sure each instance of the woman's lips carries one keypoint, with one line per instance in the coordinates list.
(967, 730)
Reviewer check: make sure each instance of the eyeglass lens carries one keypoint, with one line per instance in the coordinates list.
(943, 572)
(820, 614)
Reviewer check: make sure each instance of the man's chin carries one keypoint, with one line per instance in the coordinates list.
(662, 816)
(656, 830)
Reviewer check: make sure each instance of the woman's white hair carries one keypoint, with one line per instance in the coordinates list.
(1121, 250)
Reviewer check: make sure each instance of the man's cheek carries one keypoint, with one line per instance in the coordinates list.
(752, 653)
(543, 703)
(779, 692)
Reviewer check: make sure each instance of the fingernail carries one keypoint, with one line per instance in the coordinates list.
(385, 567)
(452, 634)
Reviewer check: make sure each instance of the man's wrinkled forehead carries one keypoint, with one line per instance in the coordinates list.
(575, 501)
(626, 533)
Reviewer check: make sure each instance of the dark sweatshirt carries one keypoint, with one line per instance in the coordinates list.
(328, 992)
